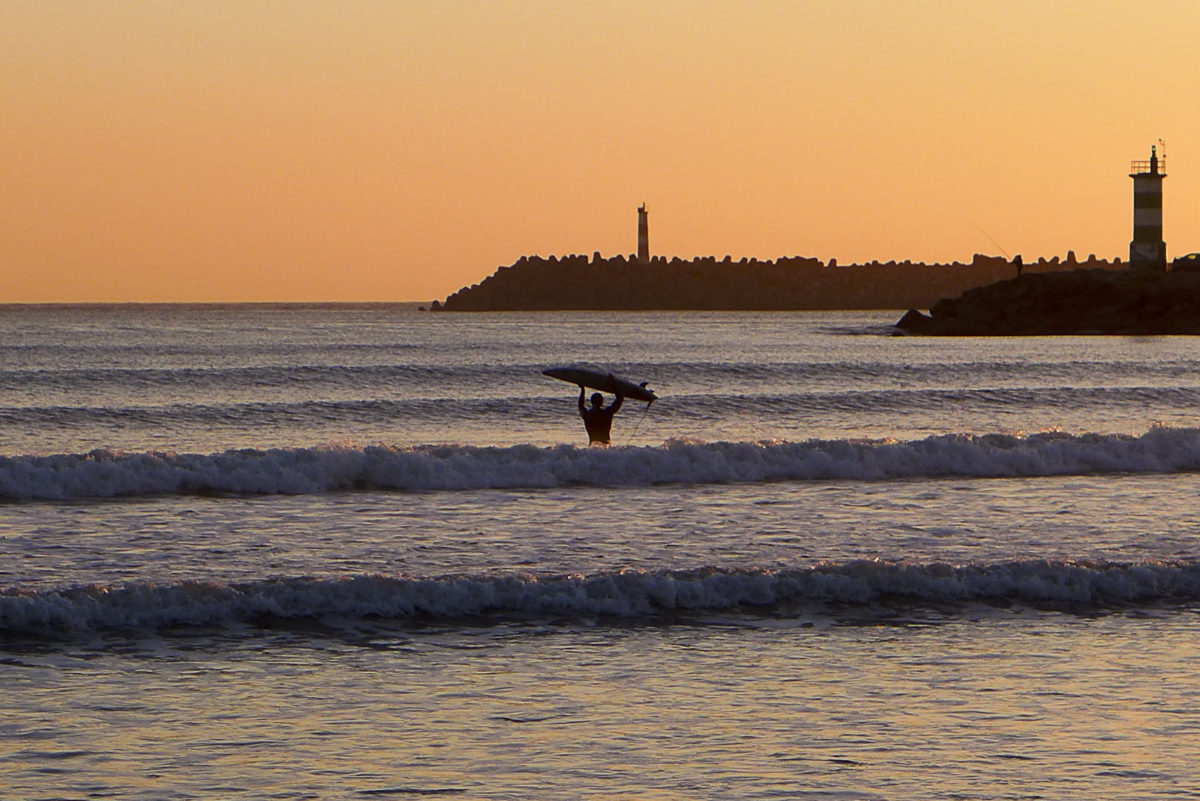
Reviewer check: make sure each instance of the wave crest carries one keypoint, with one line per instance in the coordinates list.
(460, 467)
(864, 587)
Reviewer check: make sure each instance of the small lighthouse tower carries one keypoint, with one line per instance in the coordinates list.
(643, 255)
(1148, 250)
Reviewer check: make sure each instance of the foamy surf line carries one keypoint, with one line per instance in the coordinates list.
(864, 588)
(298, 471)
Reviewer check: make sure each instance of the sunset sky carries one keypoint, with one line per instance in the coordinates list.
(361, 151)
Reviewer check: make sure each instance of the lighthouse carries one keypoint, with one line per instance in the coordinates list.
(1148, 250)
(643, 255)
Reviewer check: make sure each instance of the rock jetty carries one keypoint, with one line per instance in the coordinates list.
(791, 283)
(1124, 302)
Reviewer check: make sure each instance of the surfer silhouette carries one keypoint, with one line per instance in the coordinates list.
(598, 418)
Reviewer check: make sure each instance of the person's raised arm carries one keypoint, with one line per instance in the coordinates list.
(617, 403)
(581, 391)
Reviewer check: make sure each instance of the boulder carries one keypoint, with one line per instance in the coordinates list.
(914, 322)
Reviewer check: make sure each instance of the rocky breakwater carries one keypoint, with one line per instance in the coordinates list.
(790, 283)
(1125, 302)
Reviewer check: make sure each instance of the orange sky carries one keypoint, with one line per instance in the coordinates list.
(304, 151)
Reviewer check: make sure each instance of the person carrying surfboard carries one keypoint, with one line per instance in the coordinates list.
(597, 418)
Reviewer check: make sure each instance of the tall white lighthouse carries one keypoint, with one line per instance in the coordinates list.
(643, 254)
(1148, 250)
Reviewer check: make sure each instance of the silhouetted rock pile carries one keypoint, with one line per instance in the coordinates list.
(796, 283)
(1076, 302)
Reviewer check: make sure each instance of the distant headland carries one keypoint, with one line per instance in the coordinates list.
(794, 283)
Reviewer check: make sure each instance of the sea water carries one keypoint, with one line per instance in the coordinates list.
(362, 552)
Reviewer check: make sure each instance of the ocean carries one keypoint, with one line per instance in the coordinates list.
(361, 551)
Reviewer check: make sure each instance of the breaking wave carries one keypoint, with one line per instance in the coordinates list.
(864, 588)
(103, 474)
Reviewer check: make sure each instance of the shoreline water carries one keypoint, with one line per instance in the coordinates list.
(829, 561)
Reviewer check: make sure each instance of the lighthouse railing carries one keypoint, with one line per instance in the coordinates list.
(1143, 167)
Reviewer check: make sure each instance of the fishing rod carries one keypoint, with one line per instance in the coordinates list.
(641, 419)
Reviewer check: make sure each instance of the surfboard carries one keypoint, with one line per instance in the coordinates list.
(605, 382)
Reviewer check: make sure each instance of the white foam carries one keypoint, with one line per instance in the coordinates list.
(867, 586)
(310, 470)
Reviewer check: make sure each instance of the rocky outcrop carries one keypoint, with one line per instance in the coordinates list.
(795, 283)
(1074, 302)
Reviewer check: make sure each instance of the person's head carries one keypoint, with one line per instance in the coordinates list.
(597, 400)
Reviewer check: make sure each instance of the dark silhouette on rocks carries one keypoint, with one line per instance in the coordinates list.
(787, 284)
(1122, 302)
